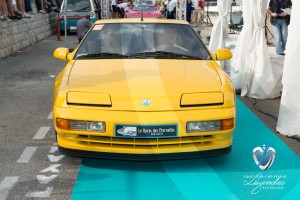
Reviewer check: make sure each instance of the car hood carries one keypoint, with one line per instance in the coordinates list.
(123, 84)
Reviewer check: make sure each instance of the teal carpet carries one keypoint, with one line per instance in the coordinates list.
(233, 176)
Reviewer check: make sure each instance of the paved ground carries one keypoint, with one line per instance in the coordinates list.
(30, 162)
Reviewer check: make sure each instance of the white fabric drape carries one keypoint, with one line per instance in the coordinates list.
(220, 29)
(242, 46)
(259, 80)
(289, 112)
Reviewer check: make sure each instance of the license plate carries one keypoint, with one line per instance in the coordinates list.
(73, 28)
(146, 131)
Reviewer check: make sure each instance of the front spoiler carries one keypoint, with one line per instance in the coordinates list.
(144, 157)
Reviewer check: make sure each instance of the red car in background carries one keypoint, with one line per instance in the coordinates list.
(149, 11)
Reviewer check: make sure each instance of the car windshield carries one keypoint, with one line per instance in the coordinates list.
(147, 7)
(150, 2)
(79, 6)
(145, 40)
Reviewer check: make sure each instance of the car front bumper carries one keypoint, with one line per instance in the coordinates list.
(87, 143)
(145, 157)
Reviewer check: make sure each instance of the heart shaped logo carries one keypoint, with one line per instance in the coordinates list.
(264, 157)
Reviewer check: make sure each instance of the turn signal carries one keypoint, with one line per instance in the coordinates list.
(227, 124)
(63, 124)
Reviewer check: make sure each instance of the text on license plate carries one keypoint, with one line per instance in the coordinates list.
(146, 131)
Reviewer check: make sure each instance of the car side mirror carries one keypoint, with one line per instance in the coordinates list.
(223, 54)
(61, 53)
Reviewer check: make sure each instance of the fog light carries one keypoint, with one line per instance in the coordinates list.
(96, 126)
(203, 126)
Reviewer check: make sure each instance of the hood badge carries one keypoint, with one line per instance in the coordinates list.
(146, 102)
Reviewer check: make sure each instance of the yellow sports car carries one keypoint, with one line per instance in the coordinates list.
(143, 89)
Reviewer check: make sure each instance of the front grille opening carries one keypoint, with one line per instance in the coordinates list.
(144, 142)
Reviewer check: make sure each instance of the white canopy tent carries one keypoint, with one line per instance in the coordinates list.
(243, 42)
(289, 113)
(219, 32)
(259, 79)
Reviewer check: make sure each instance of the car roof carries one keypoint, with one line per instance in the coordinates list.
(138, 20)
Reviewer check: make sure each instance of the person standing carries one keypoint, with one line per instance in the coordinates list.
(171, 9)
(28, 8)
(83, 25)
(39, 6)
(189, 8)
(113, 5)
(163, 7)
(58, 4)
(280, 21)
(21, 8)
(3, 16)
(197, 13)
(121, 8)
(17, 14)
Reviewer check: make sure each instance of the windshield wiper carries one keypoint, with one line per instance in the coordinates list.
(81, 9)
(160, 54)
(147, 54)
(101, 55)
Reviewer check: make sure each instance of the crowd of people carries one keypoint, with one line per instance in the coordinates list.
(119, 8)
(194, 9)
(12, 10)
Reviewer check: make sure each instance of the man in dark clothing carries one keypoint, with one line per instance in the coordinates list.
(189, 8)
(280, 20)
(83, 25)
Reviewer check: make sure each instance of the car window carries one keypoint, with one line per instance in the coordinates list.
(79, 6)
(145, 40)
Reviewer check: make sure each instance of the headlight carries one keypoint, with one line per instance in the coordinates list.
(66, 124)
(92, 14)
(212, 125)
